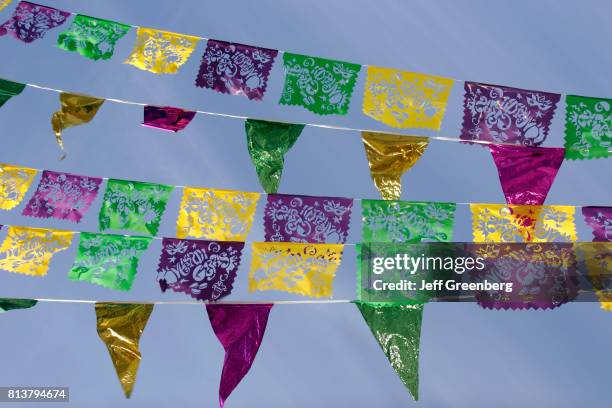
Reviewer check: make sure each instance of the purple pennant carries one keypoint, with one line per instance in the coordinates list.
(526, 173)
(62, 195)
(31, 21)
(501, 114)
(236, 69)
(167, 117)
(240, 329)
(203, 269)
(293, 218)
(600, 221)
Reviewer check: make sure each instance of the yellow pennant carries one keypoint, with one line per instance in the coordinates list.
(120, 326)
(14, 183)
(406, 99)
(523, 223)
(389, 157)
(161, 52)
(29, 250)
(4, 3)
(598, 260)
(222, 215)
(75, 110)
(304, 269)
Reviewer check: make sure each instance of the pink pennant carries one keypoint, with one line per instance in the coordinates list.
(240, 329)
(526, 173)
(167, 117)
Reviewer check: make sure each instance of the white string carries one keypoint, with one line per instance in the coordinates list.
(188, 302)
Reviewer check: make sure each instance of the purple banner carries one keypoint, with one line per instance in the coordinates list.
(62, 195)
(236, 69)
(205, 270)
(501, 114)
(292, 218)
(240, 329)
(526, 173)
(31, 21)
(167, 117)
(600, 221)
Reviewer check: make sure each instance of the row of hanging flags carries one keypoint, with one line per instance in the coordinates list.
(492, 113)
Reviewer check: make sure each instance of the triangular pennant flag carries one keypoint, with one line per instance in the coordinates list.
(526, 173)
(167, 117)
(8, 89)
(240, 329)
(398, 331)
(268, 142)
(120, 326)
(75, 110)
(389, 157)
(7, 304)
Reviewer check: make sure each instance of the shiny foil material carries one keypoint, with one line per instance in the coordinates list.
(389, 157)
(268, 142)
(120, 326)
(303, 269)
(597, 257)
(4, 3)
(7, 304)
(93, 38)
(14, 184)
(31, 21)
(600, 221)
(319, 220)
(240, 330)
(63, 196)
(588, 127)
(406, 99)
(205, 270)
(501, 114)
(222, 215)
(526, 173)
(397, 330)
(236, 69)
(8, 89)
(75, 110)
(167, 117)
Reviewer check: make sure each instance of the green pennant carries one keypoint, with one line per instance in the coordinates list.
(8, 89)
(268, 142)
(7, 304)
(398, 332)
(92, 37)
(588, 127)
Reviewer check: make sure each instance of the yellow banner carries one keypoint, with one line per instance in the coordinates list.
(14, 183)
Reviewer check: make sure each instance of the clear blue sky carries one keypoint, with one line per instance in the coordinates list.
(312, 355)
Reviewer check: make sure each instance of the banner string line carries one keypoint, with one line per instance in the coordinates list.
(193, 302)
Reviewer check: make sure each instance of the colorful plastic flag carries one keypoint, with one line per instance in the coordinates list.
(120, 326)
(407, 221)
(240, 330)
(205, 270)
(161, 52)
(320, 85)
(75, 110)
(588, 127)
(7, 304)
(133, 205)
(406, 99)
(318, 220)
(397, 330)
(167, 117)
(92, 37)
(600, 221)
(597, 257)
(28, 250)
(236, 69)
(108, 260)
(303, 269)
(523, 223)
(526, 173)
(14, 183)
(4, 3)
(31, 21)
(62, 195)
(389, 157)
(220, 215)
(502, 114)
(268, 142)
(8, 89)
